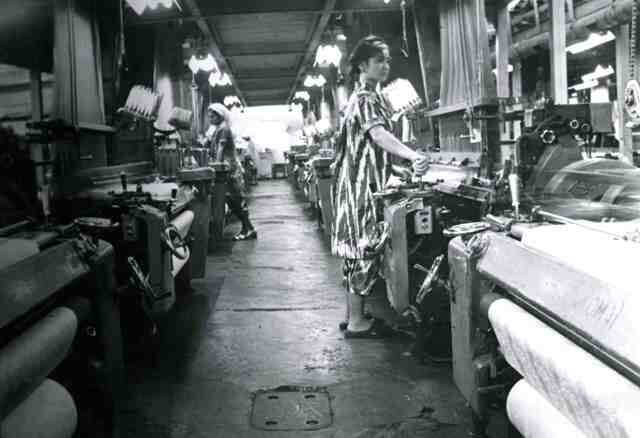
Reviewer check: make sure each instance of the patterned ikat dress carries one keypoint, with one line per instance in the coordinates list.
(362, 168)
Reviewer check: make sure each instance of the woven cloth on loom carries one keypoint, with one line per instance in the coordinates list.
(596, 399)
(609, 312)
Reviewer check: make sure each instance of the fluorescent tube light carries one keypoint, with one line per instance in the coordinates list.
(594, 40)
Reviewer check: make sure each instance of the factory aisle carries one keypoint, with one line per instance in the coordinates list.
(267, 316)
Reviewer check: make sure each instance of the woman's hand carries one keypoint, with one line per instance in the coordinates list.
(420, 165)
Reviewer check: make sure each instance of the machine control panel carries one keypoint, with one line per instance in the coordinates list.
(424, 221)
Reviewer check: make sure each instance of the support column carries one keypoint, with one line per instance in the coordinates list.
(503, 43)
(558, 53)
(37, 114)
(426, 20)
(516, 85)
(622, 77)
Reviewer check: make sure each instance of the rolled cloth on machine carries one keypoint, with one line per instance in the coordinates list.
(48, 411)
(178, 264)
(596, 399)
(183, 222)
(535, 417)
(28, 359)
(15, 250)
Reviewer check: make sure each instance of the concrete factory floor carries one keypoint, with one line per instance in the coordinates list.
(267, 316)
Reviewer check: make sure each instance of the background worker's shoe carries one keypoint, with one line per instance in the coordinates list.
(247, 235)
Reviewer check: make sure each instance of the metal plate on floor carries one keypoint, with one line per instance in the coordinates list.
(291, 408)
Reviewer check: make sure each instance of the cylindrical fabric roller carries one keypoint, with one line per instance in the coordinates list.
(80, 306)
(28, 359)
(535, 417)
(183, 222)
(179, 263)
(596, 399)
(49, 412)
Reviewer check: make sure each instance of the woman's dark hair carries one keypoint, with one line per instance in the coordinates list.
(368, 47)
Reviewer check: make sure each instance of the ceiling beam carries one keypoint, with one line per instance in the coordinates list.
(267, 73)
(313, 40)
(263, 49)
(268, 91)
(210, 34)
(186, 18)
(264, 84)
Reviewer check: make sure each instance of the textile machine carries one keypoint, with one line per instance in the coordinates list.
(547, 304)
(541, 293)
(149, 222)
(60, 338)
(461, 188)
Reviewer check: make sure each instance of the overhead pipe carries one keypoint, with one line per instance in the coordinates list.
(616, 14)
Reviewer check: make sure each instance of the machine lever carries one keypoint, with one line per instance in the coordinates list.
(142, 282)
(429, 279)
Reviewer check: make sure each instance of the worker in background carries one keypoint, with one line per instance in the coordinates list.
(362, 167)
(219, 139)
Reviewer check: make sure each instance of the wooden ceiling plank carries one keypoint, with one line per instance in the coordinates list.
(312, 43)
(209, 33)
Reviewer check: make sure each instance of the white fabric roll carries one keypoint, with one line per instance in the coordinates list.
(49, 411)
(183, 222)
(596, 399)
(535, 417)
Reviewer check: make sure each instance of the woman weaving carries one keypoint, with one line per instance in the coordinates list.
(362, 167)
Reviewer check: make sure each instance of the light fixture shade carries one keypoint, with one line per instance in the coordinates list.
(219, 79)
(208, 63)
(320, 81)
(224, 80)
(304, 95)
(309, 81)
(230, 101)
(213, 78)
(194, 64)
(328, 55)
(585, 85)
(137, 5)
(599, 72)
(153, 4)
(594, 40)
(314, 81)
(509, 69)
